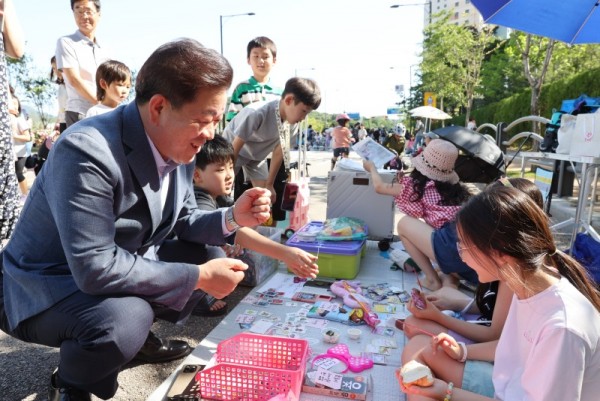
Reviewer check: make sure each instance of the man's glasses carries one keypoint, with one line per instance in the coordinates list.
(82, 12)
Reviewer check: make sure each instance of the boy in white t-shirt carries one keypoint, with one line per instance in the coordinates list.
(113, 84)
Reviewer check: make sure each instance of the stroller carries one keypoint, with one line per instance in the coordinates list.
(480, 160)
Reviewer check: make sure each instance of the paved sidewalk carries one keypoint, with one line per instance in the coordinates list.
(26, 368)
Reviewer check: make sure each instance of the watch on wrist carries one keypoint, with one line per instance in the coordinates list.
(231, 220)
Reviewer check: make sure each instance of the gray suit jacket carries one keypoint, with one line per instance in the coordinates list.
(92, 214)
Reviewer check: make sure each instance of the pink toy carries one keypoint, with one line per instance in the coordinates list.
(342, 353)
(351, 293)
(345, 289)
(418, 299)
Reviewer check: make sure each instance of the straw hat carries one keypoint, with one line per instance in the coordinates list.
(437, 160)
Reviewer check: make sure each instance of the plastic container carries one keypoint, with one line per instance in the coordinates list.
(354, 334)
(255, 367)
(331, 336)
(337, 259)
(260, 266)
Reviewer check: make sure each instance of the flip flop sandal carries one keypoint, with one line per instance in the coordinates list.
(413, 266)
(204, 310)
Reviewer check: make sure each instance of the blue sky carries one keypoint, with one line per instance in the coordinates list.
(348, 46)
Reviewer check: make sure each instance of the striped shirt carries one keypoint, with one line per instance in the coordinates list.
(250, 91)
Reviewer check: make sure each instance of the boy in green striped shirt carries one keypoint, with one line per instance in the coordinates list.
(262, 56)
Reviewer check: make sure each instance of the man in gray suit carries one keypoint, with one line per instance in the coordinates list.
(90, 264)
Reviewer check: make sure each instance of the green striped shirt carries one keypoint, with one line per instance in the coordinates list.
(250, 91)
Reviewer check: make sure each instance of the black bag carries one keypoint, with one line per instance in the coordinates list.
(32, 161)
(43, 151)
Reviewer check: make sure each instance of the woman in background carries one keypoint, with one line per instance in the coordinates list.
(13, 45)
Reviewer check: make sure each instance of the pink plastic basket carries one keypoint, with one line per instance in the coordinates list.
(255, 368)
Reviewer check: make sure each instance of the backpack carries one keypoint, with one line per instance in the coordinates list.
(586, 250)
(550, 142)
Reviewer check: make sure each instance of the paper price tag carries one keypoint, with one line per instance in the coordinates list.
(329, 379)
(317, 323)
(244, 319)
(261, 327)
(326, 363)
(329, 306)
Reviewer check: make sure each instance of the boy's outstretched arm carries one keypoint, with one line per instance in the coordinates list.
(302, 263)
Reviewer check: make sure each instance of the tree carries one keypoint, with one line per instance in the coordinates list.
(19, 70)
(32, 84)
(438, 74)
(501, 74)
(536, 53)
(41, 92)
(452, 60)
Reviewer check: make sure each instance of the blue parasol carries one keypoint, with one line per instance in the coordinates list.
(570, 21)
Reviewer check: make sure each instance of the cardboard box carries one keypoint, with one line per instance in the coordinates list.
(353, 387)
(337, 259)
(260, 266)
(351, 194)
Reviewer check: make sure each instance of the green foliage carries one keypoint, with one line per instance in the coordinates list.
(516, 106)
(32, 85)
(501, 76)
(453, 56)
(40, 91)
(18, 70)
(509, 75)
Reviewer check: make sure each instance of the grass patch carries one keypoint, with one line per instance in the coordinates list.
(516, 173)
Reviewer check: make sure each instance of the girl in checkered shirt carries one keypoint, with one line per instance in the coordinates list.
(428, 200)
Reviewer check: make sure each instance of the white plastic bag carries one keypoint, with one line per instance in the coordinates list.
(565, 133)
(586, 138)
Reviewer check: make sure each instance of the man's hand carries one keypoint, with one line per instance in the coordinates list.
(253, 207)
(219, 277)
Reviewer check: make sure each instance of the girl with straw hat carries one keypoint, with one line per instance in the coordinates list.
(429, 199)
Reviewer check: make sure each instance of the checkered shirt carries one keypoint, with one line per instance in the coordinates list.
(429, 207)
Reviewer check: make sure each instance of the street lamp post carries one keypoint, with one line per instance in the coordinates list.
(221, 17)
(428, 3)
(410, 69)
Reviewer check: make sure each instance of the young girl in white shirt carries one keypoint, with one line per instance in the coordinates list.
(549, 347)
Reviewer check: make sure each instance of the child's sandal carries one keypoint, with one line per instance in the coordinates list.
(411, 266)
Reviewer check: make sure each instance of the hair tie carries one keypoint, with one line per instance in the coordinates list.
(553, 253)
(505, 182)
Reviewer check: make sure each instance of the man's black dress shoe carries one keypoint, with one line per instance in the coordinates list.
(156, 350)
(57, 393)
